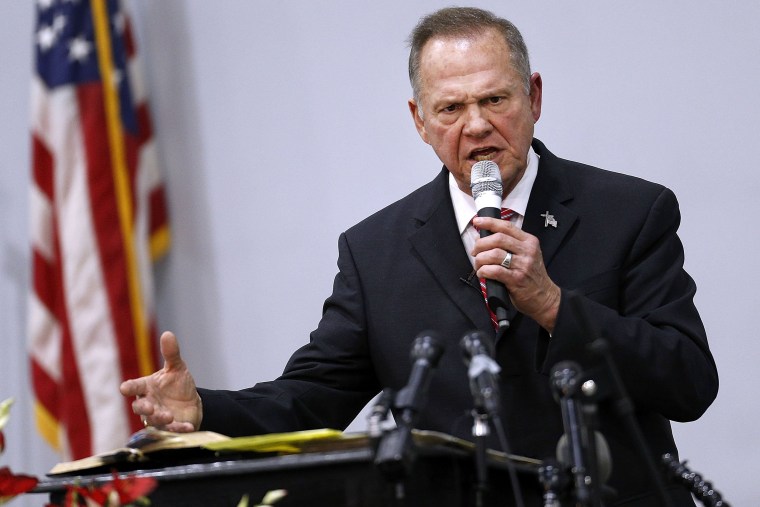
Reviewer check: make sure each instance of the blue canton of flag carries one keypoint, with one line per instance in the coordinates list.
(66, 52)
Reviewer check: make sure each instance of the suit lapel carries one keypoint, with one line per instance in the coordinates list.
(548, 197)
(437, 242)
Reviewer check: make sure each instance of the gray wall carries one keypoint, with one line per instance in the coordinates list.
(262, 107)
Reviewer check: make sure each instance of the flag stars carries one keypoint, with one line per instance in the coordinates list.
(45, 4)
(47, 35)
(59, 22)
(79, 48)
(119, 22)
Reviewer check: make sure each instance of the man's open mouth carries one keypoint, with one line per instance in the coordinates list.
(483, 154)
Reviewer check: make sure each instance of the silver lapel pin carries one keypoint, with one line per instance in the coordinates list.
(549, 219)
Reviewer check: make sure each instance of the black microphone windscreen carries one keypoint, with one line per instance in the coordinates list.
(475, 343)
(427, 346)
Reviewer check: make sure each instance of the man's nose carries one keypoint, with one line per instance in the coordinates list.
(477, 123)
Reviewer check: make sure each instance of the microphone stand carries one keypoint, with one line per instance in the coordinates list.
(378, 414)
(625, 410)
(480, 432)
(622, 404)
(566, 377)
(485, 395)
(554, 479)
(396, 451)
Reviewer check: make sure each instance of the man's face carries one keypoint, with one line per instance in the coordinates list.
(474, 106)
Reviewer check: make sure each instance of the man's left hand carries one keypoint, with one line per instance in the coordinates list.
(530, 289)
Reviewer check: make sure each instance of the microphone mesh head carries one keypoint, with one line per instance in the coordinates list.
(485, 178)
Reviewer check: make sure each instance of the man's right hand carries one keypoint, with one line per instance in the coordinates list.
(167, 399)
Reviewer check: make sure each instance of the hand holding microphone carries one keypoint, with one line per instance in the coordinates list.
(525, 282)
(485, 182)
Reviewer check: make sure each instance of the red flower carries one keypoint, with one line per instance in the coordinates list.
(2, 442)
(12, 485)
(122, 491)
(131, 488)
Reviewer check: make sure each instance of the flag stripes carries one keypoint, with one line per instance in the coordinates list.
(98, 222)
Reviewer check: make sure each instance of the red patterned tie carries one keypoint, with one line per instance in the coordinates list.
(506, 214)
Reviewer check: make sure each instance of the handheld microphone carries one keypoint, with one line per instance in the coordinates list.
(482, 370)
(485, 182)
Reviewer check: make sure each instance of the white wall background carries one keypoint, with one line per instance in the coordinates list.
(262, 106)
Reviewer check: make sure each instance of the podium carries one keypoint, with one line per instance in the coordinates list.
(441, 475)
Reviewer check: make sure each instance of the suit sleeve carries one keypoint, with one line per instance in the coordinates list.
(655, 334)
(325, 383)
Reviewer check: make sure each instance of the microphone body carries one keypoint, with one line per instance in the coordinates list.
(395, 451)
(426, 352)
(486, 186)
(603, 456)
(483, 372)
(577, 446)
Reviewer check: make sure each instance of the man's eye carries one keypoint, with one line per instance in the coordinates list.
(450, 109)
(495, 100)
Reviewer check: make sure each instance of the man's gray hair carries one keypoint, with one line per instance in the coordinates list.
(465, 22)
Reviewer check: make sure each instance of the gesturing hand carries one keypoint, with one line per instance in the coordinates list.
(167, 399)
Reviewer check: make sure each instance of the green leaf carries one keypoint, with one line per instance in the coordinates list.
(5, 410)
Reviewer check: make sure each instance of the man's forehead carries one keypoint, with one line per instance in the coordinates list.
(445, 51)
(462, 42)
(464, 58)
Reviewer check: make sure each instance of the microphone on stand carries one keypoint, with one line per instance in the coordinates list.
(395, 451)
(565, 379)
(485, 182)
(603, 456)
(482, 371)
(426, 352)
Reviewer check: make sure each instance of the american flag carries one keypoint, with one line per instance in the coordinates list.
(98, 223)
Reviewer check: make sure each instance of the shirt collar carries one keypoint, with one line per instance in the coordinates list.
(517, 200)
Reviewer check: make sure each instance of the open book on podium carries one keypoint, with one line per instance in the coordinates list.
(153, 448)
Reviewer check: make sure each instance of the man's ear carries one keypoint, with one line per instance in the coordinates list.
(419, 123)
(536, 90)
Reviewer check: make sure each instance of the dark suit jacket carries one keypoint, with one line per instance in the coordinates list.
(615, 254)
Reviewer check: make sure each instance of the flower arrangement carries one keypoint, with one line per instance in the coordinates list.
(11, 485)
(118, 492)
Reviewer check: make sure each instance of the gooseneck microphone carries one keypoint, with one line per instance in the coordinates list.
(485, 183)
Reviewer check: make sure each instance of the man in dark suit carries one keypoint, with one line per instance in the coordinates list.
(587, 254)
